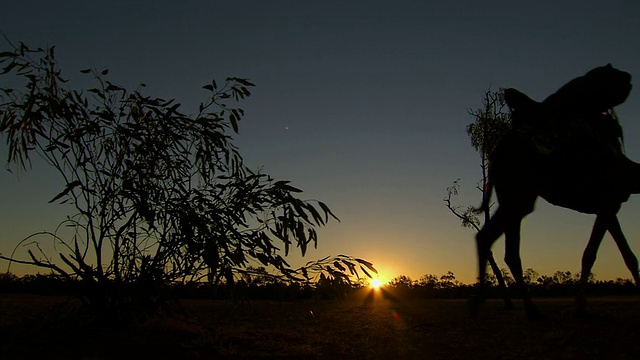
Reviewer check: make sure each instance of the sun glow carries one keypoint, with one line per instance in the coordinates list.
(376, 283)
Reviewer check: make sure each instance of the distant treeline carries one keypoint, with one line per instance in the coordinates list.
(560, 284)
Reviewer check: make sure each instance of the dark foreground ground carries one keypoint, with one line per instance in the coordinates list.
(32, 328)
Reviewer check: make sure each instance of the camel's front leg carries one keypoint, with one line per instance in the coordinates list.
(627, 254)
(588, 259)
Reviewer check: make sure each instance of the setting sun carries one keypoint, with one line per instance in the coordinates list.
(375, 283)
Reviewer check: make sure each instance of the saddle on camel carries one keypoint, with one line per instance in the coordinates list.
(574, 132)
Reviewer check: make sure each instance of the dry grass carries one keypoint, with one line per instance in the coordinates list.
(31, 327)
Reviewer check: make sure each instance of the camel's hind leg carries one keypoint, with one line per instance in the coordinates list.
(485, 238)
(508, 304)
(514, 206)
(513, 260)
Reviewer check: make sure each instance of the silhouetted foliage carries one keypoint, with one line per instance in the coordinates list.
(265, 286)
(429, 286)
(156, 197)
(491, 122)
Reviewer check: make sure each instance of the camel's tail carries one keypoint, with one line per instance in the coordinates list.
(487, 192)
(523, 109)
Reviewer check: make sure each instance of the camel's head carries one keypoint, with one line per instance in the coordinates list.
(597, 91)
(607, 87)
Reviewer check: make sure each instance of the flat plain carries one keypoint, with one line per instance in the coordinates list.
(356, 327)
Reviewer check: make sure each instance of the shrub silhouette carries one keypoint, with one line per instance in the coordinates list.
(158, 197)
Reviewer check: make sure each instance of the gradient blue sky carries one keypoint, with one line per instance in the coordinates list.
(362, 104)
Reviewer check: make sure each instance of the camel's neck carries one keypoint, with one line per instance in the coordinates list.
(631, 174)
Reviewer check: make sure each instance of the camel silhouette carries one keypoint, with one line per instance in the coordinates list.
(566, 150)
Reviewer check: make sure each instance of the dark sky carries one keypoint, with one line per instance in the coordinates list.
(362, 104)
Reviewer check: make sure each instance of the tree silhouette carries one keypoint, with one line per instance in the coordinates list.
(157, 196)
(491, 122)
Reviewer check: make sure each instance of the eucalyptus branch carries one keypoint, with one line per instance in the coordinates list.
(156, 196)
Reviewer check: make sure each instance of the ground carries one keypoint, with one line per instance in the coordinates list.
(34, 327)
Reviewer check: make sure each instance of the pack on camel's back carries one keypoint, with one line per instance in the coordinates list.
(577, 116)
